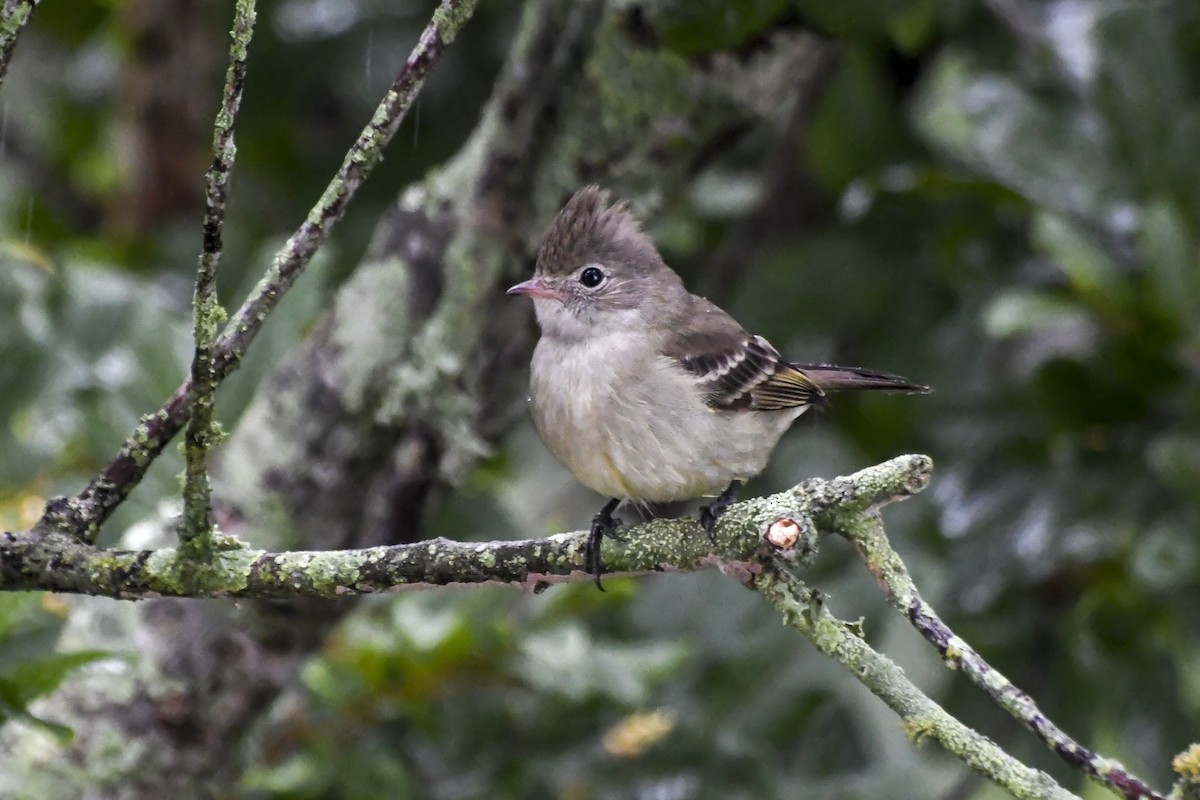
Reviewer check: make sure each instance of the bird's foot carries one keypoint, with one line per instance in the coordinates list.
(709, 514)
(603, 525)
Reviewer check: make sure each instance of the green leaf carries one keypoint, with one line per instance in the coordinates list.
(700, 26)
(1046, 147)
(569, 662)
(1022, 311)
(907, 23)
(36, 678)
(1170, 256)
(1165, 558)
(1143, 98)
(844, 141)
(914, 24)
(12, 709)
(16, 607)
(1091, 272)
(1175, 459)
(25, 683)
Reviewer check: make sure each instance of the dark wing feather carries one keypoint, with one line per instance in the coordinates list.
(737, 371)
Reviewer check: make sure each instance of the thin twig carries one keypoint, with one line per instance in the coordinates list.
(91, 507)
(360, 160)
(922, 718)
(883, 561)
(14, 16)
(207, 311)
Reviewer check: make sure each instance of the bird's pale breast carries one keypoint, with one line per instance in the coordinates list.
(637, 427)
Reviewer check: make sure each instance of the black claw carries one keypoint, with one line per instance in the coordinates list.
(709, 514)
(603, 525)
(611, 532)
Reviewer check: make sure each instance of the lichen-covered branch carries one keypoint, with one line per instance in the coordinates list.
(14, 16)
(922, 718)
(810, 508)
(1187, 766)
(868, 535)
(87, 511)
(206, 311)
(360, 160)
(238, 571)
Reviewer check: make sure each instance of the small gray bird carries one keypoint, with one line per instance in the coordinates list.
(644, 391)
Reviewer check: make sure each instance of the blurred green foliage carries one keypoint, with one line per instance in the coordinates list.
(29, 665)
(1008, 203)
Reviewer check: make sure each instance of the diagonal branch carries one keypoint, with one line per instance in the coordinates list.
(207, 312)
(804, 609)
(868, 535)
(86, 512)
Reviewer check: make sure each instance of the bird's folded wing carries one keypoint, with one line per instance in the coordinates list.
(736, 370)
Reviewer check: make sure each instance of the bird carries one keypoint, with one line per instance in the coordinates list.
(648, 393)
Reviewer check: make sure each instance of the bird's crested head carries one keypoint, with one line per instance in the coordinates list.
(590, 229)
(597, 268)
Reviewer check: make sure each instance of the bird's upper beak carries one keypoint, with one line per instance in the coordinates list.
(536, 287)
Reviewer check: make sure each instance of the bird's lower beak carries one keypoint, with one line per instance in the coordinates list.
(536, 287)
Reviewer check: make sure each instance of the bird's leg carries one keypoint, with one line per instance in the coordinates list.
(711, 512)
(603, 525)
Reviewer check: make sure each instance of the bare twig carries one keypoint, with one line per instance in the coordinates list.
(207, 311)
(14, 15)
(868, 535)
(91, 507)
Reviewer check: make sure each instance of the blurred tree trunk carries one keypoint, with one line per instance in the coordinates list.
(405, 382)
(174, 52)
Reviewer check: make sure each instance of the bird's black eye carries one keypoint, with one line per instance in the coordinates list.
(591, 277)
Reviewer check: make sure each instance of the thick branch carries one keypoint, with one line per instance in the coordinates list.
(655, 546)
(207, 312)
(883, 561)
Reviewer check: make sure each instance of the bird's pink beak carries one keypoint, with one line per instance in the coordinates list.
(536, 287)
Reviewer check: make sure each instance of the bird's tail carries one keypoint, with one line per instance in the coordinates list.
(839, 379)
